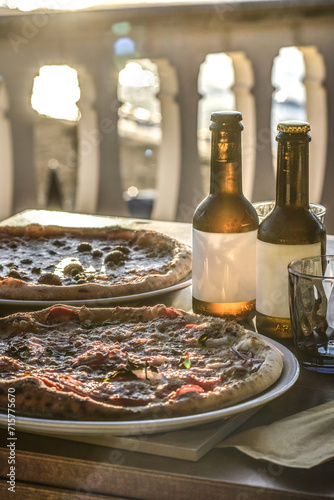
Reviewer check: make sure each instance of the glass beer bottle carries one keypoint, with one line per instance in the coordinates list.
(224, 230)
(289, 232)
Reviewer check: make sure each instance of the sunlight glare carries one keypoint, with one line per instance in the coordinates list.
(133, 191)
(133, 75)
(216, 74)
(29, 5)
(72, 5)
(287, 75)
(56, 91)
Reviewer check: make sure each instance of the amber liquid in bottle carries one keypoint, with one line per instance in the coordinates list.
(224, 230)
(289, 232)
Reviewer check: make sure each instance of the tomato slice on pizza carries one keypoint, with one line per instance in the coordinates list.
(129, 363)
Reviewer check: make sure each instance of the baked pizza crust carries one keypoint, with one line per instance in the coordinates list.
(40, 398)
(177, 268)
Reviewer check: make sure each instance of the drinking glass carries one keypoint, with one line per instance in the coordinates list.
(263, 208)
(311, 295)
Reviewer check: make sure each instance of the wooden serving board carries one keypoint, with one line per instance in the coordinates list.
(186, 444)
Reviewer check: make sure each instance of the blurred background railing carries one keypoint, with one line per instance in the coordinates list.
(107, 110)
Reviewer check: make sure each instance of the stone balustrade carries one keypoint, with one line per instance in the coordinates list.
(178, 40)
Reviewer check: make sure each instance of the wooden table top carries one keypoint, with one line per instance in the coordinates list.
(53, 468)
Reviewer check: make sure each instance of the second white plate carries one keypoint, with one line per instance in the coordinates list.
(109, 301)
(71, 427)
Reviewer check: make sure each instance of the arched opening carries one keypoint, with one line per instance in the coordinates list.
(215, 81)
(225, 82)
(289, 96)
(139, 129)
(54, 97)
(298, 75)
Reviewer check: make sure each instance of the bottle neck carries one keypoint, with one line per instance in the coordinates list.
(226, 166)
(292, 184)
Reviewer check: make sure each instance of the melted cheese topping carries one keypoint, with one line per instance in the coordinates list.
(129, 364)
(71, 261)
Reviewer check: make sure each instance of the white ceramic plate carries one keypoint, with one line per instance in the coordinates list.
(67, 427)
(98, 302)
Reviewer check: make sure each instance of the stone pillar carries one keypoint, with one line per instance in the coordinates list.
(187, 64)
(110, 198)
(261, 45)
(264, 182)
(6, 157)
(88, 155)
(19, 81)
(169, 163)
(245, 103)
(316, 112)
(327, 193)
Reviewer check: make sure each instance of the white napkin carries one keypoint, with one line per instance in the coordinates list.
(302, 440)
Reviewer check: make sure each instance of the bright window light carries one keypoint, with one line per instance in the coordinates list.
(29, 5)
(133, 191)
(56, 92)
(133, 75)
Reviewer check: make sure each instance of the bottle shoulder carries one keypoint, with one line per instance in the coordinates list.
(225, 213)
(291, 226)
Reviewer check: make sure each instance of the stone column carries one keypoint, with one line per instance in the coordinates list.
(187, 64)
(245, 103)
(169, 163)
(316, 112)
(327, 193)
(261, 45)
(317, 40)
(110, 198)
(88, 154)
(19, 81)
(6, 157)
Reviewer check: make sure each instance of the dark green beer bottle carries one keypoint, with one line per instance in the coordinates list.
(289, 232)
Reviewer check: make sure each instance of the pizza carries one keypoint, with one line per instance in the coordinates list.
(60, 264)
(124, 363)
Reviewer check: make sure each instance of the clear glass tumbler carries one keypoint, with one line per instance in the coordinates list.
(311, 295)
(263, 208)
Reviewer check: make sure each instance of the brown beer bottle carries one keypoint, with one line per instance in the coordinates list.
(289, 232)
(224, 230)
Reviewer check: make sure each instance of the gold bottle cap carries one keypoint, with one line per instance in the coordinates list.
(293, 127)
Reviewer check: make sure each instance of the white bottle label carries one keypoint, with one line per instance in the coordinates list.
(272, 282)
(224, 266)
